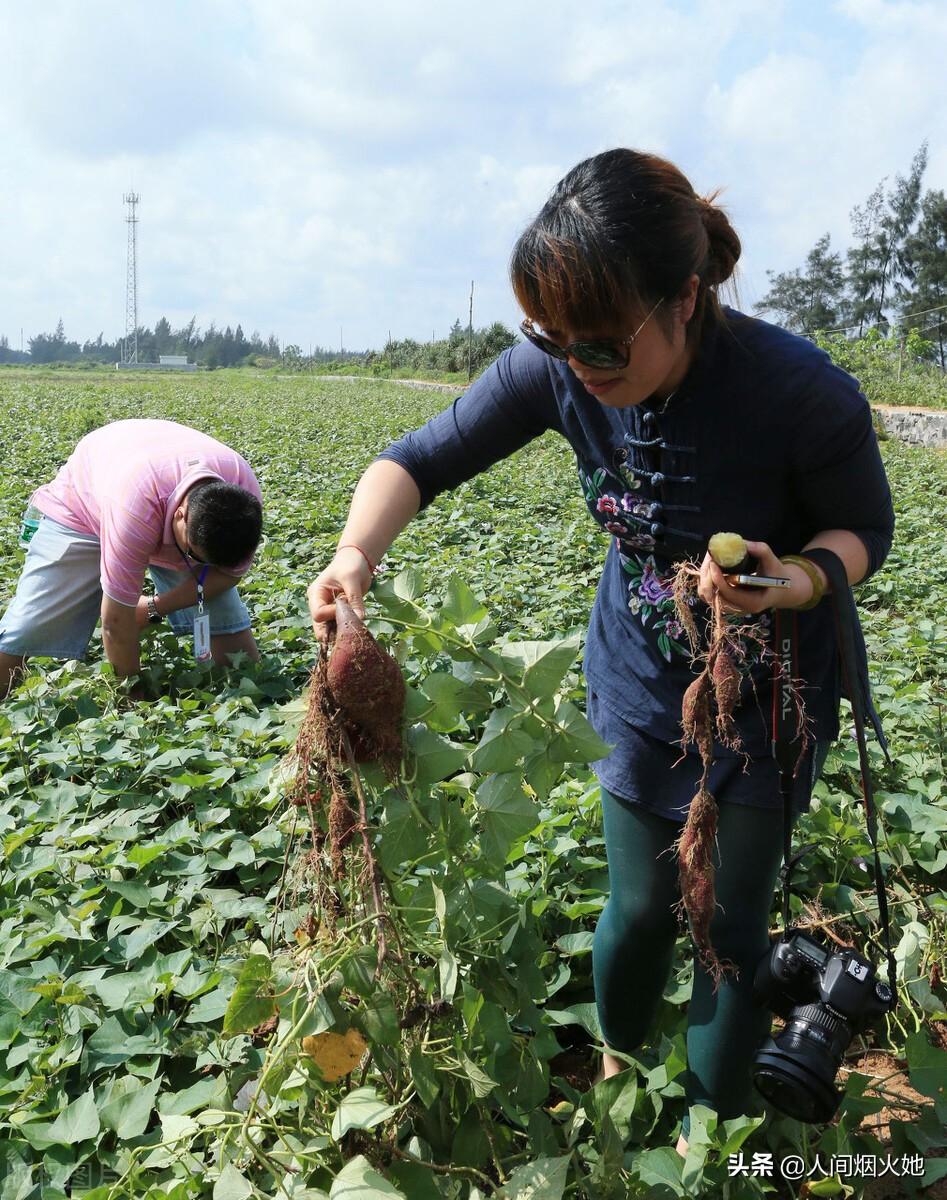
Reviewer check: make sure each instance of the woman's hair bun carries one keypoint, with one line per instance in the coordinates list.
(724, 246)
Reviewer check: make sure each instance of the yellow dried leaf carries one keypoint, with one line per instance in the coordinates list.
(562, 1109)
(310, 932)
(335, 1054)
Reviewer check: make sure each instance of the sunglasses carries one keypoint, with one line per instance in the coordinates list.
(607, 354)
(189, 553)
(194, 558)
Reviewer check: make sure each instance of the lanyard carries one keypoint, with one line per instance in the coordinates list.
(198, 579)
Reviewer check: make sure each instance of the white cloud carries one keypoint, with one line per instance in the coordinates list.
(108, 78)
(819, 133)
(917, 20)
(305, 166)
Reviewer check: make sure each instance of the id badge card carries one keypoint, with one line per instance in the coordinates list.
(202, 637)
(201, 622)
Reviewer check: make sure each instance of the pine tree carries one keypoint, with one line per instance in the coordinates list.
(864, 274)
(925, 267)
(903, 206)
(881, 227)
(812, 300)
(164, 339)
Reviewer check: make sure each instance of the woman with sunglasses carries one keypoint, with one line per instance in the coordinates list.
(686, 418)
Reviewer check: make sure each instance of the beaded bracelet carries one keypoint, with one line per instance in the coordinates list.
(818, 586)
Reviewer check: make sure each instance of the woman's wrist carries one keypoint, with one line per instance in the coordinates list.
(350, 552)
(799, 590)
(807, 583)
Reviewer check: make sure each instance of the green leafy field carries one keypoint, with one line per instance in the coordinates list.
(171, 992)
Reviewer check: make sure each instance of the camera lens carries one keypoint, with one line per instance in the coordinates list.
(795, 1071)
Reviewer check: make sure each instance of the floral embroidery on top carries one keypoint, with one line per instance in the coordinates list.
(651, 599)
(606, 505)
(650, 594)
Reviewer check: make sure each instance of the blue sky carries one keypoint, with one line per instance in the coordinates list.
(304, 166)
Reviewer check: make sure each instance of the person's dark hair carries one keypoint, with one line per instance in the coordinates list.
(224, 520)
(620, 232)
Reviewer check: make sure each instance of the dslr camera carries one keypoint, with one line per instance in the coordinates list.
(825, 997)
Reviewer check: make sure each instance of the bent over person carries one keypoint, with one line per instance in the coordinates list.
(686, 418)
(133, 496)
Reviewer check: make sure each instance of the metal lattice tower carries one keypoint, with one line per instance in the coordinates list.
(130, 347)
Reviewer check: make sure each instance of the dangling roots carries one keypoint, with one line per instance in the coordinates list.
(708, 711)
(329, 786)
(695, 848)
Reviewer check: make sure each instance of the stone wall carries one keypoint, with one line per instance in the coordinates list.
(916, 426)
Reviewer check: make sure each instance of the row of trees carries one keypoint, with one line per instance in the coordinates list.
(213, 348)
(9, 355)
(231, 348)
(892, 277)
(460, 351)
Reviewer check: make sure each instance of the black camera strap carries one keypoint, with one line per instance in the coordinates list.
(787, 737)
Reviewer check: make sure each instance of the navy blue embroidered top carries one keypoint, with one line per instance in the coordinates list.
(765, 437)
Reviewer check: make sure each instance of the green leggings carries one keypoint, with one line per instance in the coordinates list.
(636, 933)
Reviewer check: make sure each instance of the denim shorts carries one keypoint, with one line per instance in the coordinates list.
(59, 597)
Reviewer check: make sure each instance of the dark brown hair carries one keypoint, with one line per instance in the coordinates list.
(225, 520)
(620, 232)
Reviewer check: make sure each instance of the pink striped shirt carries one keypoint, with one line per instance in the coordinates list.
(122, 484)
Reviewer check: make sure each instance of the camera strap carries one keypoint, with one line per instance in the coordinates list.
(788, 741)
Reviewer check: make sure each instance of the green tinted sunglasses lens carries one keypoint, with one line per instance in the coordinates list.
(550, 347)
(600, 354)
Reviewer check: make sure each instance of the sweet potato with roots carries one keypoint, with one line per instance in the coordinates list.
(695, 848)
(708, 708)
(696, 717)
(698, 838)
(354, 715)
(367, 686)
(726, 686)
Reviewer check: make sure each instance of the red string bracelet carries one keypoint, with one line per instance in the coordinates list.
(352, 546)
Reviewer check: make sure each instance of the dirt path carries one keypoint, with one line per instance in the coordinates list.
(421, 384)
(909, 408)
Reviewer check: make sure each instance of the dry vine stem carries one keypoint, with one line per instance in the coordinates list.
(329, 747)
(708, 712)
